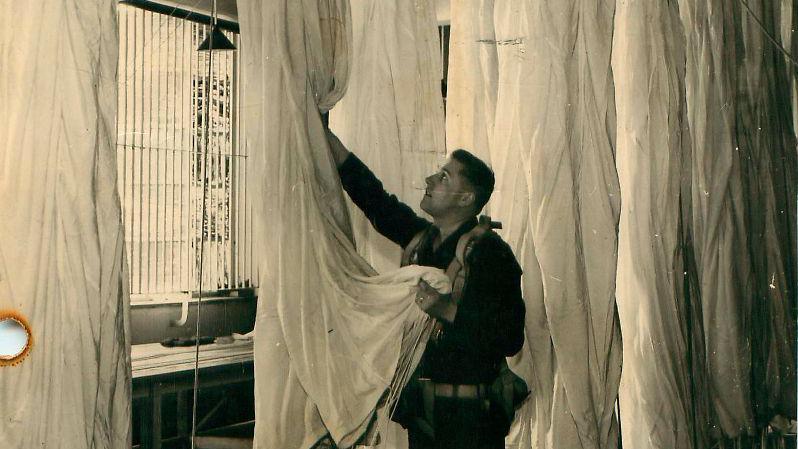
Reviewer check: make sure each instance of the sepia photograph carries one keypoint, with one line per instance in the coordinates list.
(398, 224)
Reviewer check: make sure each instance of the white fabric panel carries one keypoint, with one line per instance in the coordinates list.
(733, 322)
(442, 11)
(331, 336)
(558, 197)
(510, 204)
(716, 215)
(473, 73)
(392, 114)
(473, 93)
(648, 63)
(789, 40)
(766, 141)
(703, 298)
(61, 239)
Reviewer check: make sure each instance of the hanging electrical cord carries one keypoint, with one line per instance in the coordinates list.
(203, 220)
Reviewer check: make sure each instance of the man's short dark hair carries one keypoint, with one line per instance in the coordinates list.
(478, 175)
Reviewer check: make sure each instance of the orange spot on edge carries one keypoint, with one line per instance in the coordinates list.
(16, 316)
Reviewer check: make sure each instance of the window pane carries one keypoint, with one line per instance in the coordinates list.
(165, 169)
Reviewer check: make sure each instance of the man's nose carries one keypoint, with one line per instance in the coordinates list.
(428, 180)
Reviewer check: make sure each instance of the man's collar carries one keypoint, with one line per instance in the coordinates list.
(462, 229)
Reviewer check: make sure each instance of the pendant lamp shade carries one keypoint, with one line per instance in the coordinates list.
(216, 41)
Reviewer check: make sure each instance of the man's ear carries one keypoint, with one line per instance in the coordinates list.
(467, 199)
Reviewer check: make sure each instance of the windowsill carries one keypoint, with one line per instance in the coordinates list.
(175, 316)
(179, 298)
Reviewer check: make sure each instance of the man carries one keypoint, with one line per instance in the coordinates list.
(477, 333)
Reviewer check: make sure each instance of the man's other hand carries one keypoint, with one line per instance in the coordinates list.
(437, 305)
(338, 150)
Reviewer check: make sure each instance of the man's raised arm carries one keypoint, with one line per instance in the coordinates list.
(389, 216)
(338, 150)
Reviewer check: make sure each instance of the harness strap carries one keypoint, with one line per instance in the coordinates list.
(410, 250)
(457, 270)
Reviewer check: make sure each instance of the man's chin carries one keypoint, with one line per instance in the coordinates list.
(423, 205)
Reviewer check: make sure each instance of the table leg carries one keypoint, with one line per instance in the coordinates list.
(183, 415)
(145, 438)
(156, 415)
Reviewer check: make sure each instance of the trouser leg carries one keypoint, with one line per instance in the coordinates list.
(460, 424)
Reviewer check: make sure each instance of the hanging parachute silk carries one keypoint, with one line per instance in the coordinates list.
(333, 340)
(392, 117)
(648, 63)
(717, 224)
(769, 179)
(707, 171)
(558, 195)
(706, 162)
(742, 211)
(61, 241)
(472, 77)
(471, 106)
(392, 113)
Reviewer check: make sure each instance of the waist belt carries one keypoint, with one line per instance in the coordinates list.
(461, 391)
(428, 390)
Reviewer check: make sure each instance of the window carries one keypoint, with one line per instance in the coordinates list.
(444, 31)
(163, 168)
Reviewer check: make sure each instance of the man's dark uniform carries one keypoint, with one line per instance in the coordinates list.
(488, 326)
